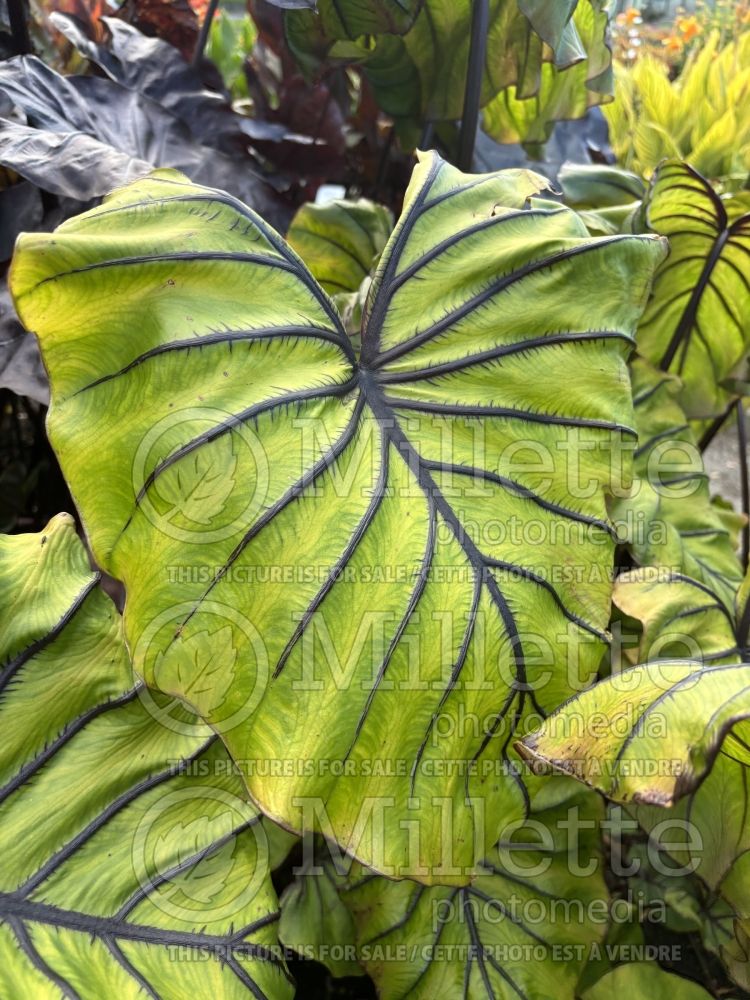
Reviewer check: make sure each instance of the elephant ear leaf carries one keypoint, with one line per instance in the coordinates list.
(680, 617)
(316, 923)
(708, 833)
(667, 518)
(551, 90)
(648, 735)
(697, 319)
(348, 19)
(596, 186)
(501, 935)
(645, 979)
(340, 241)
(363, 557)
(415, 57)
(133, 864)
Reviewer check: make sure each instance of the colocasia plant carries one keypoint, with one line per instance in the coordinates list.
(369, 552)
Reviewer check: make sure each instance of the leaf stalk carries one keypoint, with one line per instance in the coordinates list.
(480, 23)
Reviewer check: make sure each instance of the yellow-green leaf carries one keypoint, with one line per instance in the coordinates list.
(648, 735)
(372, 601)
(696, 323)
(340, 241)
(667, 518)
(524, 927)
(133, 864)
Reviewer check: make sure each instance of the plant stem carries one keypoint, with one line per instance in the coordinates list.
(714, 428)
(684, 328)
(744, 482)
(384, 162)
(19, 26)
(200, 45)
(425, 139)
(743, 630)
(480, 23)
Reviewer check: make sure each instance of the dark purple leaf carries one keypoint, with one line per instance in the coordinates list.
(92, 135)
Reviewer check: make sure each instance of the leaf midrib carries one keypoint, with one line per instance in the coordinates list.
(74, 920)
(395, 434)
(686, 324)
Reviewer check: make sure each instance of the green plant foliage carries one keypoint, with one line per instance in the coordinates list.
(349, 19)
(596, 186)
(696, 323)
(645, 979)
(710, 836)
(523, 927)
(230, 41)
(133, 864)
(433, 674)
(280, 843)
(608, 199)
(555, 58)
(698, 706)
(341, 242)
(652, 734)
(667, 518)
(703, 116)
(316, 923)
(527, 111)
(216, 353)
(550, 21)
(680, 617)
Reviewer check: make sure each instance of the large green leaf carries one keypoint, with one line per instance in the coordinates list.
(340, 241)
(645, 979)
(527, 110)
(708, 833)
(523, 928)
(696, 323)
(133, 864)
(648, 735)
(680, 617)
(667, 518)
(419, 75)
(309, 541)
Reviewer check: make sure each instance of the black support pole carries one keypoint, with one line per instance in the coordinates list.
(19, 26)
(745, 483)
(714, 428)
(200, 45)
(480, 23)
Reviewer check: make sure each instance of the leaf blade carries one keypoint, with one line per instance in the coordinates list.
(341, 463)
(108, 851)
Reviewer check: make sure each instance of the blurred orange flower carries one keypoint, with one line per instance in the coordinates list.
(629, 17)
(688, 27)
(672, 44)
(200, 7)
